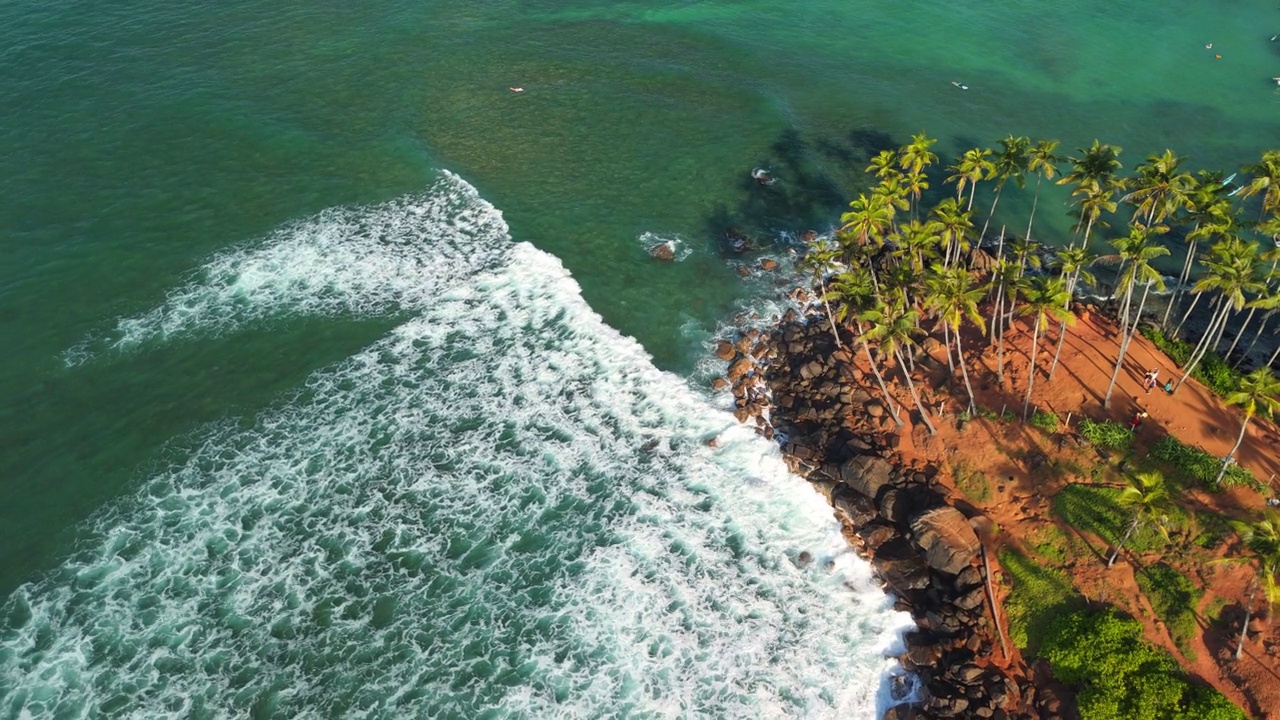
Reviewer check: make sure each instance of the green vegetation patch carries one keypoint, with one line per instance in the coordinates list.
(1119, 676)
(1053, 544)
(1212, 370)
(1107, 435)
(1045, 421)
(1193, 465)
(972, 483)
(1096, 509)
(1039, 595)
(1174, 598)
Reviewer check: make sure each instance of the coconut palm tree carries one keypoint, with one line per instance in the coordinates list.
(1044, 299)
(1259, 394)
(1159, 188)
(1262, 540)
(1093, 200)
(1208, 207)
(1072, 264)
(1268, 298)
(954, 226)
(1042, 159)
(1265, 182)
(884, 164)
(1005, 278)
(915, 156)
(1137, 251)
(918, 243)
(894, 328)
(954, 297)
(1148, 498)
(1224, 232)
(1233, 273)
(1096, 165)
(854, 293)
(973, 167)
(1010, 164)
(822, 259)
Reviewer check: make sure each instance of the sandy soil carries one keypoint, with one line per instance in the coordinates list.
(1020, 497)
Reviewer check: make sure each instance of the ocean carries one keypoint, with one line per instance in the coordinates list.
(338, 380)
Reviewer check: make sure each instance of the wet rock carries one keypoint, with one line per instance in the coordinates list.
(876, 534)
(943, 533)
(725, 350)
(804, 559)
(857, 507)
(738, 369)
(768, 264)
(663, 252)
(902, 712)
(900, 566)
(719, 384)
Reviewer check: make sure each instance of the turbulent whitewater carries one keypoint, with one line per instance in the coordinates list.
(499, 509)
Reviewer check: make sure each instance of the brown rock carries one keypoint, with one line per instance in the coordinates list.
(724, 350)
(719, 384)
(875, 409)
(943, 533)
(739, 368)
(866, 474)
(900, 566)
(768, 264)
(663, 252)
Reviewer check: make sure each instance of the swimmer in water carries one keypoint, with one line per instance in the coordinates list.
(516, 89)
(960, 85)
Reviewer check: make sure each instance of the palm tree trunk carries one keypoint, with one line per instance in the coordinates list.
(1177, 332)
(1205, 342)
(893, 407)
(1133, 525)
(1031, 376)
(1062, 328)
(946, 341)
(835, 334)
(1126, 334)
(1248, 615)
(991, 214)
(1226, 461)
(964, 372)
(1034, 202)
(1248, 319)
(915, 396)
(1182, 280)
(1274, 354)
(1261, 331)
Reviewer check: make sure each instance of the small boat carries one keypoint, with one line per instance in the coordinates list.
(1229, 179)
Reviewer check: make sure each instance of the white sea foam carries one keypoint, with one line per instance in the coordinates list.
(361, 261)
(501, 508)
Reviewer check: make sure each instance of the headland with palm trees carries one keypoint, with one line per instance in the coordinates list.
(947, 315)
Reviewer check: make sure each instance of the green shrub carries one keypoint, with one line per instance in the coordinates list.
(1174, 599)
(1106, 434)
(1192, 464)
(1120, 676)
(1039, 594)
(1045, 421)
(1212, 370)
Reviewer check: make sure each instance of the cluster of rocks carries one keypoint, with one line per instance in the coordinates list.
(799, 388)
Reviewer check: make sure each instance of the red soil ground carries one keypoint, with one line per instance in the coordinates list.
(1020, 498)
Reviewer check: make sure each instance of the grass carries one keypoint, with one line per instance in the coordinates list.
(1106, 435)
(1046, 422)
(972, 483)
(1096, 510)
(1053, 544)
(1211, 529)
(1192, 464)
(1174, 598)
(1039, 595)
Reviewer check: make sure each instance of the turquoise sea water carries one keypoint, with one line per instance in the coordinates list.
(305, 404)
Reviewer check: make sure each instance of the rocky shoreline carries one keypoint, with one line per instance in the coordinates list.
(797, 387)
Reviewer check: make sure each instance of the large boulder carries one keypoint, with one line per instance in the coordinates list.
(725, 350)
(867, 474)
(901, 567)
(856, 506)
(949, 544)
(739, 368)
